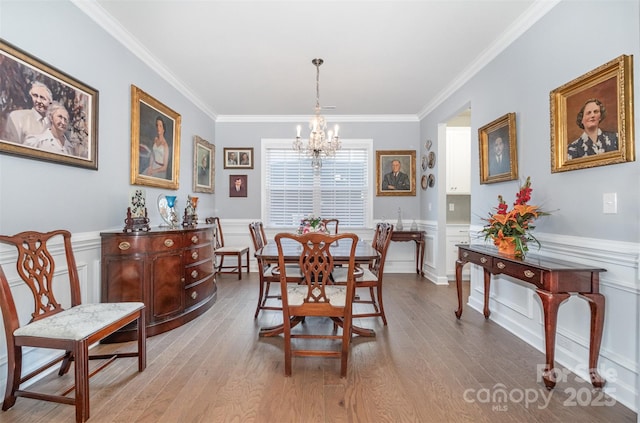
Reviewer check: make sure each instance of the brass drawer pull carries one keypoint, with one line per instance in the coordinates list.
(483, 260)
(501, 265)
(124, 245)
(194, 274)
(194, 239)
(528, 273)
(168, 242)
(465, 254)
(194, 295)
(194, 255)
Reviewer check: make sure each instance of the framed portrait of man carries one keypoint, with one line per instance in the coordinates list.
(396, 172)
(498, 150)
(237, 186)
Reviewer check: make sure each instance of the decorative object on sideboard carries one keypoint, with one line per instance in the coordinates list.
(319, 145)
(137, 219)
(166, 207)
(399, 226)
(190, 218)
(510, 230)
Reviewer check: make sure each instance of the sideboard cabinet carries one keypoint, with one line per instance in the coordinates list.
(171, 270)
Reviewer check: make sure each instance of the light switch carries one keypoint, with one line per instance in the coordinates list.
(452, 206)
(610, 203)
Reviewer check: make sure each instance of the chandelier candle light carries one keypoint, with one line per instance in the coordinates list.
(320, 145)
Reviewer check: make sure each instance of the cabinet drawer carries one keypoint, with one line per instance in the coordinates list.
(165, 242)
(199, 237)
(195, 294)
(473, 257)
(195, 254)
(520, 271)
(197, 272)
(125, 244)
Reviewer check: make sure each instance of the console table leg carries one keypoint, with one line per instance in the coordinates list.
(421, 248)
(459, 265)
(550, 304)
(596, 304)
(487, 289)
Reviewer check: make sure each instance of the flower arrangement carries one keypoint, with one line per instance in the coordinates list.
(511, 229)
(311, 224)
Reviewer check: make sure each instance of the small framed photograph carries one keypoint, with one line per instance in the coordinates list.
(592, 118)
(238, 158)
(237, 185)
(46, 114)
(498, 150)
(155, 142)
(204, 166)
(396, 172)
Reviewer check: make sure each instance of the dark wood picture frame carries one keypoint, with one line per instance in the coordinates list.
(204, 165)
(607, 91)
(146, 113)
(384, 161)
(242, 189)
(238, 158)
(24, 79)
(498, 150)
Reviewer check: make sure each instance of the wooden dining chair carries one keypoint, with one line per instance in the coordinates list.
(269, 272)
(371, 277)
(221, 250)
(72, 330)
(316, 295)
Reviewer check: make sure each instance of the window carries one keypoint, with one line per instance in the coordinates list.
(292, 190)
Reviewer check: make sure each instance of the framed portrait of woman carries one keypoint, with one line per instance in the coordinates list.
(155, 142)
(592, 118)
(204, 159)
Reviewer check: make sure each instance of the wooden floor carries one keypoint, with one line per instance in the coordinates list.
(426, 366)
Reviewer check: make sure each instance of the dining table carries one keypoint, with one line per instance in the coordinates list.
(340, 251)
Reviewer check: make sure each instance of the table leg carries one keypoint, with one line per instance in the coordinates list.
(487, 290)
(459, 266)
(596, 304)
(420, 255)
(550, 304)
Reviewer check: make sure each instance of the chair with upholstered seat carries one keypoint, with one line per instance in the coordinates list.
(316, 295)
(72, 329)
(371, 276)
(221, 250)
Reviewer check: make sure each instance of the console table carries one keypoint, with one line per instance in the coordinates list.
(554, 281)
(420, 239)
(171, 270)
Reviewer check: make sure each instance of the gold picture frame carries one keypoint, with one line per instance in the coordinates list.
(56, 94)
(498, 150)
(405, 184)
(147, 168)
(606, 91)
(204, 165)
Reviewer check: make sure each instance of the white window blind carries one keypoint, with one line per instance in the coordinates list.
(293, 190)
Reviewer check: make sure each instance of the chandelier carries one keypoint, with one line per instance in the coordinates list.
(321, 144)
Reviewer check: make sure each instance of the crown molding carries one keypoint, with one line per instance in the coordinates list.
(305, 118)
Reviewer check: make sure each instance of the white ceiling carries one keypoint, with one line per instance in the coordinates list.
(253, 58)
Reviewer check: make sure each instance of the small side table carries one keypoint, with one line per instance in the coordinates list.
(420, 239)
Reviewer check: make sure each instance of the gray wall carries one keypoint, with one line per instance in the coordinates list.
(553, 52)
(40, 195)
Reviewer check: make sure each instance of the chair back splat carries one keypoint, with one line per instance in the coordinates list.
(51, 326)
(316, 295)
(221, 250)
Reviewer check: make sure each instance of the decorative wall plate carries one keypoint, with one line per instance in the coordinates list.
(432, 180)
(432, 160)
(425, 162)
(423, 182)
(427, 145)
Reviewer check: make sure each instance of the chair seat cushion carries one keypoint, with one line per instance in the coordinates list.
(80, 321)
(340, 275)
(231, 250)
(297, 293)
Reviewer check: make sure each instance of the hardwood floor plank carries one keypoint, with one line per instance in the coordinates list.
(425, 366)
